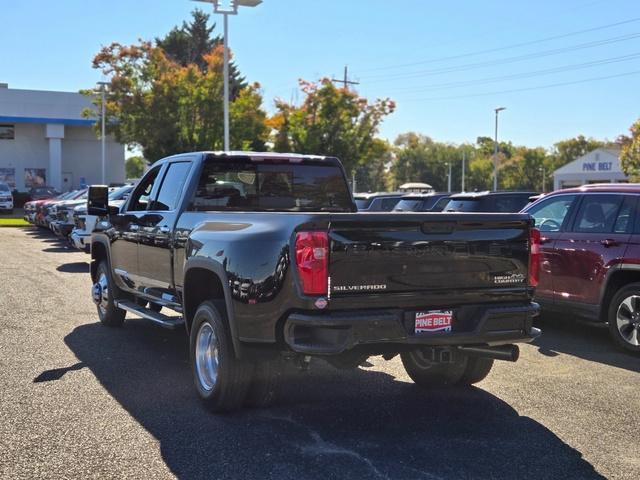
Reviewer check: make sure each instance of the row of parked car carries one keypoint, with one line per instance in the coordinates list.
(66, 214)
(504, 202)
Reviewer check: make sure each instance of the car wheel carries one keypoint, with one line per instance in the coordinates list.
(426, 373)
(103, 296)
(476, 370)
(155, 307)
(221, 379)
(264, 385)
(624, 317)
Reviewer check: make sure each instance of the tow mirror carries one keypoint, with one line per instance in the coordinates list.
(98, 200)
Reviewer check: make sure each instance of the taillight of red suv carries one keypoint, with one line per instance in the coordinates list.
(535, 256)
(312, 260)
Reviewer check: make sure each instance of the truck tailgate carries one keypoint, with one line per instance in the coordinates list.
(397, 253)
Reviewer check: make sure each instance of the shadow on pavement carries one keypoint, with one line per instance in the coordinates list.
(75, 267)
(583, 340)
(61, 249)
(327, 424)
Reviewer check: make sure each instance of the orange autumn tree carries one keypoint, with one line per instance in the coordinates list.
(330, 121)
(165, 108)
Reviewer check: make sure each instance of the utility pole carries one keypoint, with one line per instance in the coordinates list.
(464, 160)
(544, 183)
(103, 86)
(495, 152)
(345, 81)
(449, 180)
(225, 72)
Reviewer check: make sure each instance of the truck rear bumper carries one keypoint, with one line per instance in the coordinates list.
(332, 333)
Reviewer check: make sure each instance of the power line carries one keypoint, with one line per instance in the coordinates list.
(540, 87)
(482, 81)
(506, 47)
(503, 61)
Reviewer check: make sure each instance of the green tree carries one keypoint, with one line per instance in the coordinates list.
(525, 169)
(373, 174)
(192, 42)
(134, 167)
(166, 108)
(568, 150)
(420, 159)
(330, 121)
(630, 152)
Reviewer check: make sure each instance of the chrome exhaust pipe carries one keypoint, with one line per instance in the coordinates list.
(509, 353)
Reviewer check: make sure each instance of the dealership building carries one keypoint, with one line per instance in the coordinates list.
(44, 140)
(601, 165)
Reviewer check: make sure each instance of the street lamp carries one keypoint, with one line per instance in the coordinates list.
(495, 152)
(541, 169)
(226, 8)
(103, 91)
(448, 164)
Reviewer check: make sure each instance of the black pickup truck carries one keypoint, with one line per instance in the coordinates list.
(263, 258)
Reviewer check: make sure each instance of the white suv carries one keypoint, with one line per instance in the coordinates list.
(6, 198)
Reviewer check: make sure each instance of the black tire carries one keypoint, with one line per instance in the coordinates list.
(476, 370)
(155, 307)
(227, 390)
(109, 314)
(626, 336)
(429, 374)
(265, 382)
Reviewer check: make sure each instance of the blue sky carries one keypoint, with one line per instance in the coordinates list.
(400, 49)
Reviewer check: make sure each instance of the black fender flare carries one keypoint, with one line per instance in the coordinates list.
(620, 267)
(217, 269)
(106, 244)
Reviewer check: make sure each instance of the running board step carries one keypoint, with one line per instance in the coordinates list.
(162, 320)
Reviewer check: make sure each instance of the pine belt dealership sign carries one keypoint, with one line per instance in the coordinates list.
(597, 166)
(600, 165)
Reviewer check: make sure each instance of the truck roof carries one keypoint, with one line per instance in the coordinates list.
(266, 155)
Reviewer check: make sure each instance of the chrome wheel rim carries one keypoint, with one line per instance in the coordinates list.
(101, 292)
(207, 364)
(628, 320)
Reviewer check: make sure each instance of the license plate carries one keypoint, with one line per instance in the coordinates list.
(433, 321)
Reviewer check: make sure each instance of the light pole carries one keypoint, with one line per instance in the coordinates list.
(464, 160)
(543, 179)
(226, 8)
(449, 177)
(495, 152)
(103, 114)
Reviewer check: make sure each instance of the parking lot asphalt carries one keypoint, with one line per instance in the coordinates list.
(79, 400)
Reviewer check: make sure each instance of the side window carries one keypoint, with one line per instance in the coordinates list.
(440, 204)
(388, 203)
(171, 187)
(624, 221)
(140, 197)
(597, 214)
(550, 214)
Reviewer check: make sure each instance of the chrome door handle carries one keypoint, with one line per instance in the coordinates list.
(134, 228)
(164, 229)
(609, 242)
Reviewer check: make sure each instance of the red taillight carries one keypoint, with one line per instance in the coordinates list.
(535, 256)
(312, 259)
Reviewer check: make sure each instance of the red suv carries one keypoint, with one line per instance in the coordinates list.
(590, 263)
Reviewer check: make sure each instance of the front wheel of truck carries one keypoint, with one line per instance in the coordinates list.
(427, 373)
(103, 296)
(221, 379)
